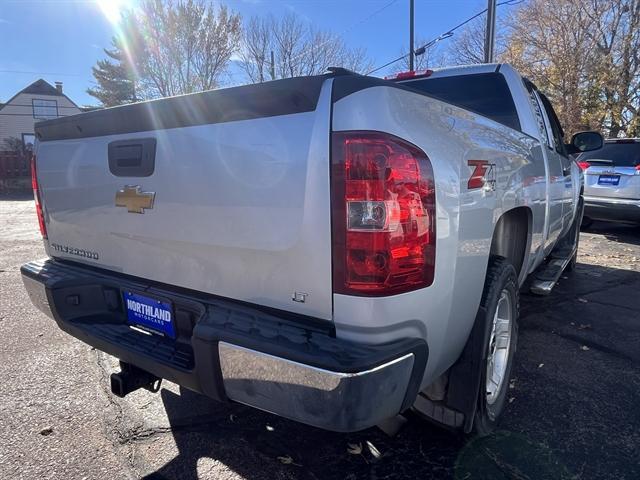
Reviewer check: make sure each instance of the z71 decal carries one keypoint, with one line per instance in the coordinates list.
(482, 175)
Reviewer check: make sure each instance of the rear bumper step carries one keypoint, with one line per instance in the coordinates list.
(231, 351)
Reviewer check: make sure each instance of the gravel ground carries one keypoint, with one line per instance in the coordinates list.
(573, 410)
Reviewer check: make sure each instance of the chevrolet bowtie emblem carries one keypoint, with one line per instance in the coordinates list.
(135, 200)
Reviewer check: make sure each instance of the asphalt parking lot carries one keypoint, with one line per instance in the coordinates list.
(573, 413)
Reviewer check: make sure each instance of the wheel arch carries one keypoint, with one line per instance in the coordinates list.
(512, 239)
(454, 406)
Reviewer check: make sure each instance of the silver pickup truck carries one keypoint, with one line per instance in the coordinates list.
(334, 249)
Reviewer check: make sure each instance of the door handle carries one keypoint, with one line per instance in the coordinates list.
(132, 158)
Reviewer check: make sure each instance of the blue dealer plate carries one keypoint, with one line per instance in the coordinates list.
(149, 313)
(609, 180)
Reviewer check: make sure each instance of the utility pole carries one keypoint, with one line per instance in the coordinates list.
(490, 33)
(411, 42)
(273, 67)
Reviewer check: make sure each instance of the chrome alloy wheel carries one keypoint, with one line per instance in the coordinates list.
(499, 344)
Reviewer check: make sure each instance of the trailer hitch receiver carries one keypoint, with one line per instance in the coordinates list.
(131, 378)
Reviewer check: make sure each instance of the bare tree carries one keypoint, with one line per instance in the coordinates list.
(357, 60)
(290, 43)
(615, 30)
(585, 55)
(549, 43)
(431, 58)
(297, 49)
(187, 45)
(256, 52)
(467, 45)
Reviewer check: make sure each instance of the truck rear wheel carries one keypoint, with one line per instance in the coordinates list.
(500, 300)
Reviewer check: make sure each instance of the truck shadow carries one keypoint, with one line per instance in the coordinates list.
(538, 439)
(257, 445)
(616, 232)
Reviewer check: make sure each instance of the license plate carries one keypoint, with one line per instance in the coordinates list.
(151, 314)
(609, 180)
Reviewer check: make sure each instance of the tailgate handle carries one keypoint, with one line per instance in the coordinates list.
(132, 158)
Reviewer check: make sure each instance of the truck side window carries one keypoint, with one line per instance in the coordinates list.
(543, 121)
(556, 129)
(544, 126)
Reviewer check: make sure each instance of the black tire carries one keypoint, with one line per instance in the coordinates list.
(501, 277)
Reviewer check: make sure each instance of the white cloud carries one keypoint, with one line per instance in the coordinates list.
(291, 8)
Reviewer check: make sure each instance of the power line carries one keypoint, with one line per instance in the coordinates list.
(346, 30)
(442, 36)
(386, 64)
(42, 73)
(366, 19)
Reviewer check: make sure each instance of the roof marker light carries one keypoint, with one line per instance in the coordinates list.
(410, 74)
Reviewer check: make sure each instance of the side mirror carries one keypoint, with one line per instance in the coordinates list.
(585, 142)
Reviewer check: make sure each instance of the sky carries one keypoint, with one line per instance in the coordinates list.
(60, 40)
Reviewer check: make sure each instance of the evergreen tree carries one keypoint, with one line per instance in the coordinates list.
(115, 76)
(115, 82)
(167, 48)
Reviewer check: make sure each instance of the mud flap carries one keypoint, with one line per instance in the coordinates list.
(465, 375)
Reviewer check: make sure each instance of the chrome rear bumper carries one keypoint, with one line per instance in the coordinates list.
(292, 367)
(309, 394)
(612, 209)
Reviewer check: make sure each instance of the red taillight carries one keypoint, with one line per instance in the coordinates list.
(584, 165)
(638, 167)
(36, 196)
(383, 202)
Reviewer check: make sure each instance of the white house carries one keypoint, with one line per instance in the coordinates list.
(39, 101)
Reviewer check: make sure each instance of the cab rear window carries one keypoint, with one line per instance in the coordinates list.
(618, 154)
(487, 94)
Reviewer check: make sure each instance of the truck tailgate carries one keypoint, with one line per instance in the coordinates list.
(241, 203)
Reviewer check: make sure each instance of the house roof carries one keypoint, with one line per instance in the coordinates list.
(39, 87)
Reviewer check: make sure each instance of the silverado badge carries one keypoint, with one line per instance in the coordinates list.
(135, 200)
